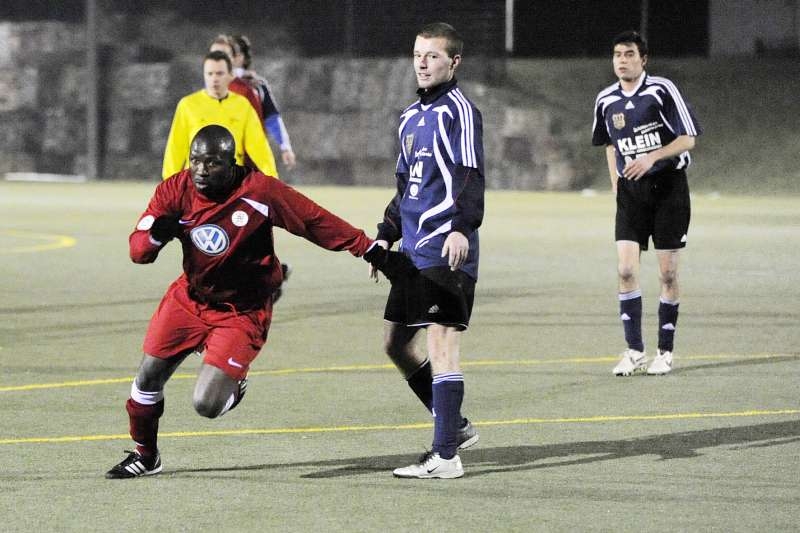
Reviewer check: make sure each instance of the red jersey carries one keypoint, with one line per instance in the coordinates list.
(240, 86)
(228, 247)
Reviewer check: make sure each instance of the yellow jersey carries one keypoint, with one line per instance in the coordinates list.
(233, 112)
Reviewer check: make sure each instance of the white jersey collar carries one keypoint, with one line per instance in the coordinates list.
(628, 94)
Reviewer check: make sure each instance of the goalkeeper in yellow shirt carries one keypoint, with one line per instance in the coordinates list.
(216, 105)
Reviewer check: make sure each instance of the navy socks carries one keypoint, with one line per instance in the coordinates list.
(667, 321)
(448, 393)
(630, 312)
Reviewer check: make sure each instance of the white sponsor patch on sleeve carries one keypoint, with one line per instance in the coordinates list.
(145, 223)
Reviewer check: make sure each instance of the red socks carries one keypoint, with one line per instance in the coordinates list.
(144, 425)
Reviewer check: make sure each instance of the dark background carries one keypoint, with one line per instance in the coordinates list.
(367, 28)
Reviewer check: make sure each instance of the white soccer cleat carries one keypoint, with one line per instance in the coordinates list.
(432, 466)
(632, 361)
(662, 364)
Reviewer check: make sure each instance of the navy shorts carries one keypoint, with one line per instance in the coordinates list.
(656, 206)
(431, 296)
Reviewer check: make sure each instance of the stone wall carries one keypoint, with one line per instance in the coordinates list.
(341, 113)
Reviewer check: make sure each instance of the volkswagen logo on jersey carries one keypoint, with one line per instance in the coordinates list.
(210, 239)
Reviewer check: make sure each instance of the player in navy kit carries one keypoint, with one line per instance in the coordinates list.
(435, 213)
(223, 215)
(648, 130)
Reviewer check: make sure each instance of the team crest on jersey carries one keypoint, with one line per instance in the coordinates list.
(210, 239)
(409, 141)
(239, 218)
(619, 120)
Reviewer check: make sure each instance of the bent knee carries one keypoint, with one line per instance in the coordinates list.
(205, 407)
(395, 350)
(405, 359)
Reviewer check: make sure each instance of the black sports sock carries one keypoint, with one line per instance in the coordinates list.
(421, 383)
(667, 322)
(630, 311)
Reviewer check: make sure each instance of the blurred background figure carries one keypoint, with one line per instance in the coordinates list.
(216, 104)
(225, 43)
(273, 122)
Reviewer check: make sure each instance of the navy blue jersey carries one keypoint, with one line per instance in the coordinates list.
(439, 177)
(643, 120)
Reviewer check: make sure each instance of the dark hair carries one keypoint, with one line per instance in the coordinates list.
(631, 37)
(218, 55)
(244, 48)
(455, 44)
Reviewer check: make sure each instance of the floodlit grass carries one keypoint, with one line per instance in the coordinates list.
(564, 444)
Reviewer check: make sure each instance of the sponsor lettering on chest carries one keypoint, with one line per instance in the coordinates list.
(638, 143)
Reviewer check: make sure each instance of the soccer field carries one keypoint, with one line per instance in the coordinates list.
(565, 446)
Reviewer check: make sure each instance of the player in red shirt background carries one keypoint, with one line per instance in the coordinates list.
(221, 305)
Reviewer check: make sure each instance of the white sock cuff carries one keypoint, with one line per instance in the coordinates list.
(449, 376)
(667, 302)
(623, 296)
(145, 397)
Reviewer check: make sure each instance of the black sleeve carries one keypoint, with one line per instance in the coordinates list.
(391, 229)
(468, 189)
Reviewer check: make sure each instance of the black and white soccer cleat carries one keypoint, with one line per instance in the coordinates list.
(240, 396)
(135, 465)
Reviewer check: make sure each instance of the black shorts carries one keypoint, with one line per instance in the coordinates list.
(431, 296)
(656, 205)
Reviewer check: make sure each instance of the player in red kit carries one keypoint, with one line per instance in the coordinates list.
(223, 215)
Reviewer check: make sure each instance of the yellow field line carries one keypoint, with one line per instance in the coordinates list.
(385, 366)
(395, 427)
(54, 242)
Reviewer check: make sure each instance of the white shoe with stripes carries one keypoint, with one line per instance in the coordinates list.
(135, 465)
(632, 361)
(662, 364)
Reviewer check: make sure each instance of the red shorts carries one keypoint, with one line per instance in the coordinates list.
(230, 339)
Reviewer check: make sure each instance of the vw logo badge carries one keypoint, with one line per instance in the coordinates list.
(210, 239)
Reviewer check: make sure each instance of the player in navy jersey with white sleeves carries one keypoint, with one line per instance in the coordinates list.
(648, 130)
(435, 214)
